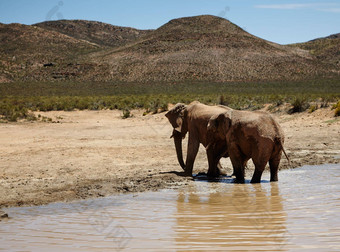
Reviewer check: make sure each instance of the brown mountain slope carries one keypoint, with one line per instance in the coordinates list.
(206, 48)
(325, 49)
(25, 49)
(95, 32)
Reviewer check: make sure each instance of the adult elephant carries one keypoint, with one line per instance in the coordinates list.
(249, 135)
(194, 118)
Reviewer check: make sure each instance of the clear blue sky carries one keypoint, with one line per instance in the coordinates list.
(275, 20)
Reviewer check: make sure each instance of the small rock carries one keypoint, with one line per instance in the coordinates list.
(3, 215)
(49, 64)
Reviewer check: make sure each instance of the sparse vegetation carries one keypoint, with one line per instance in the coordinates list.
(337, 109)
(126, 113)
(312, 108)
(324, 103)
(18, 99)
(299, 105)
(326, 49)
(12, 111)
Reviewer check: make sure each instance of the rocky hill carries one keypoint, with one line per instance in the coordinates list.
(204, 48)
(26, 50)
(207, 48)
(324, 49)
(95, 32)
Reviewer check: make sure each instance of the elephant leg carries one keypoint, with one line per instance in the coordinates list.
(274, 166)
(215, 169)
(257, 174)
(244, 165)
(237, 161)
(260, 156)
(193, 146)
(214, 156)
(213, 161)
(260, 165)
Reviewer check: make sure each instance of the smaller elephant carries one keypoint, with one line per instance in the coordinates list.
(249, 135)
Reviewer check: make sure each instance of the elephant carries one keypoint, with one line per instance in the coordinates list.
(194, 118)
(249, 135)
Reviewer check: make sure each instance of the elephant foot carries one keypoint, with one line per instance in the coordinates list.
(213, 174)
(254, 181)
(274, 179)
(239, 176)
(238, 181)
(187, 174)
(257, 176)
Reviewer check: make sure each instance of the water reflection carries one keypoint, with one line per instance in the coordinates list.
(240, 217)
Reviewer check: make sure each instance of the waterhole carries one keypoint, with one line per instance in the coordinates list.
(301, 212)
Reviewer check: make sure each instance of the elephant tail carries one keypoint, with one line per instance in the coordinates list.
(283, 149)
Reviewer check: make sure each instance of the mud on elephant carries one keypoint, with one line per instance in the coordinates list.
(248, 135)
(194, 118)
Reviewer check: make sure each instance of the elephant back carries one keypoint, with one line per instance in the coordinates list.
(258, 123)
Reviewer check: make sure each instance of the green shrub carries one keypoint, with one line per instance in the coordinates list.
(324, 103)
(299, 105)
(335, 105)
(337, 109)
(31, 117)
(222, 101)
(312, 108)
(16, 99)
(12, 112)
(156, 106)
(126, 114)
(279, 102)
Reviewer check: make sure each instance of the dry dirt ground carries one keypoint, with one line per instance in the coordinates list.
(97, 153)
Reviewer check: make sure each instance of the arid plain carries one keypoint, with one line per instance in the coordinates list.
(84, 154)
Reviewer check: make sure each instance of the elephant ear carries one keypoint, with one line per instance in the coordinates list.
(212, 124)
(215, 122)
(175, 116)
(220, 124)
(226, 123)
(179, 122)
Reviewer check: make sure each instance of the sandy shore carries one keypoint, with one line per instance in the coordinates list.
(96, 153)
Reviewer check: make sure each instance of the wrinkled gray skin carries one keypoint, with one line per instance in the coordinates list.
(249, 135)
(194, 118)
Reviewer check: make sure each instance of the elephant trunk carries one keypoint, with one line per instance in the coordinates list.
(178, 144)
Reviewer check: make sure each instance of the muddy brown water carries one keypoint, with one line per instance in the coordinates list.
(301, 212)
